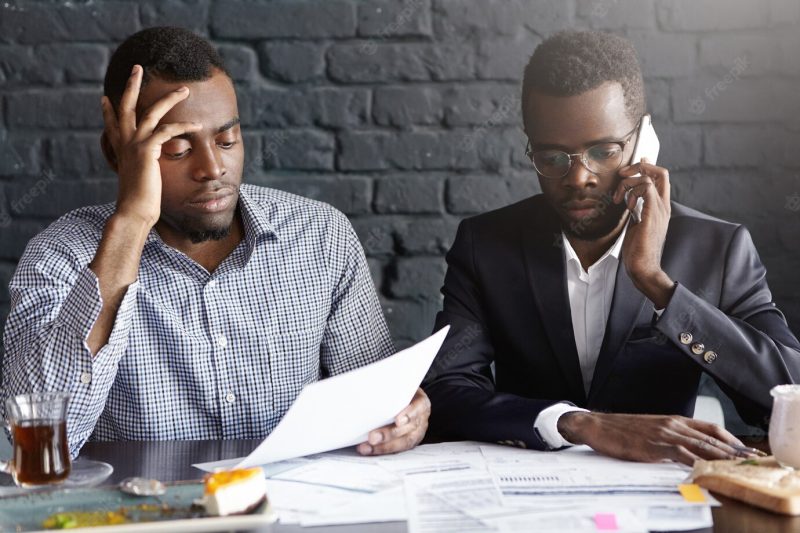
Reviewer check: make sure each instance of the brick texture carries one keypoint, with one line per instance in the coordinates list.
(404, 114)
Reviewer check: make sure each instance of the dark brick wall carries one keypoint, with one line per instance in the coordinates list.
(404, 115)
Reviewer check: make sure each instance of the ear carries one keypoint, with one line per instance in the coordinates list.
(108, 151)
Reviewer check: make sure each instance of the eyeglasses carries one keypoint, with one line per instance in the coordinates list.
(601, 158)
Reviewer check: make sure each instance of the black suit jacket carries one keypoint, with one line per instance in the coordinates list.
(505, 297)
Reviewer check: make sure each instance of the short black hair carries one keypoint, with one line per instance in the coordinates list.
(169, 53)
(572, 62)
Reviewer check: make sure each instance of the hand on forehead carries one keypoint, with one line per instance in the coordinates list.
(211, 102)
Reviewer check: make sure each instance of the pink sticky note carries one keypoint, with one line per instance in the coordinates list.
(605, 521)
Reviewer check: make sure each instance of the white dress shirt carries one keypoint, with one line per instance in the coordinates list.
(590, 294)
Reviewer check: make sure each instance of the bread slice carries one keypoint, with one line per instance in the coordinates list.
(761, 482)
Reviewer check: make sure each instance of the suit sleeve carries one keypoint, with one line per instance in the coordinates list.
(464, 402)
(747, 345)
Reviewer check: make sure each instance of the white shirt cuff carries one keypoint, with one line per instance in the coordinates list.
(546, 424)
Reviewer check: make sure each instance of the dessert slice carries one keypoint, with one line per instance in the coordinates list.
(234, 491)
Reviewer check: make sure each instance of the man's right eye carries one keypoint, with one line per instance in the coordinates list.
(177, 155)
(551, 158)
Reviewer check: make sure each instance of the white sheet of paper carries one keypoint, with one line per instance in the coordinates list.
(350, 475)
(583, 520)
(579, 471)
(677, 518)
(341, 410)
(294, 502)
(385, 506)
(428, 513)
(473, 492)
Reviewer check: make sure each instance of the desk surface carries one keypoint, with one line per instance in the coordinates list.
(172, 460)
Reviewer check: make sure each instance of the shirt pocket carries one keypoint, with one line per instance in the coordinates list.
(157, 311)
(294, 363)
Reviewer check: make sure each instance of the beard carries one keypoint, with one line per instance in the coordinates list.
(598, 225)
(214, 234)
(200, 228)
(203, 229)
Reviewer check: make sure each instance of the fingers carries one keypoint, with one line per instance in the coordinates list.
(127, 104)
(420, 406)
(165, 132)
(658, 175)
(110, 121)
(700, 439)
(388, 439)
(402, 439)
(659, 437)
(632, 195)
(682, 455)
(407, 431)
(715, 431)
(156, 112)
(704, 446)
(661, 178)
(638, 187)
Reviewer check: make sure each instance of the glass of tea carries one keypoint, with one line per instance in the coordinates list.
(38, 425)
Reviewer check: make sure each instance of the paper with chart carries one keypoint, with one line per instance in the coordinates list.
(468, 500)
(579, 470)
(341, 410)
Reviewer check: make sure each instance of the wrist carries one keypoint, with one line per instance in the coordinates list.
(657, 287)
(131, 229)
(131, 224)
(573, 426)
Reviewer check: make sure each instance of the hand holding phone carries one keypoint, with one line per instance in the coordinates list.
(647, 146)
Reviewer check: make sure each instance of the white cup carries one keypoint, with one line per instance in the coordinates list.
(784, 425)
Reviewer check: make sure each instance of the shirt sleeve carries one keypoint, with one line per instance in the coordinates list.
(355, 333)
(55, 303)
(546, 424)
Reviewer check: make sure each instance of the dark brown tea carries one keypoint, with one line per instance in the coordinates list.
(41, 454)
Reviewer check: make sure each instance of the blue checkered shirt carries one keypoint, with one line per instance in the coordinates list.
(193, 354)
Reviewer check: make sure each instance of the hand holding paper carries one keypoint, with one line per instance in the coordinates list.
(341, 410)
(407, 431)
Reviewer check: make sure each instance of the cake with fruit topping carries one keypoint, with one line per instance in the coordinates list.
(232, 492)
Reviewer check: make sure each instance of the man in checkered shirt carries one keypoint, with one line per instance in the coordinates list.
(194, 307)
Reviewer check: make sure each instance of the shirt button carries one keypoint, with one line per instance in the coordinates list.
(698, 347)
(222, 342)
(710, 357)
(86, 378)
(212, 284)
(230, 398)
(686, 338)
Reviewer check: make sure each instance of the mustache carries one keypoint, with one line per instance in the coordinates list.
(599, 199)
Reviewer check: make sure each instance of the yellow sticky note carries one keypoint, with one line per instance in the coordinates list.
(691, 493)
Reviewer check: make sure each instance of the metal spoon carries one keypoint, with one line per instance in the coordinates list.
(140, 486)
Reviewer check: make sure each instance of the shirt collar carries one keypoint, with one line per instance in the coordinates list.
(613, 252)
(255, 219)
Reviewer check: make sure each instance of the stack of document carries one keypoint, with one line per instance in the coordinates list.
(462, 486)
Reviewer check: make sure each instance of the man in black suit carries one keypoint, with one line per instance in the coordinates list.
(600, 328)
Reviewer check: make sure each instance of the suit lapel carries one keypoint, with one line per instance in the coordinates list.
(626, 305)
(544, 264)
